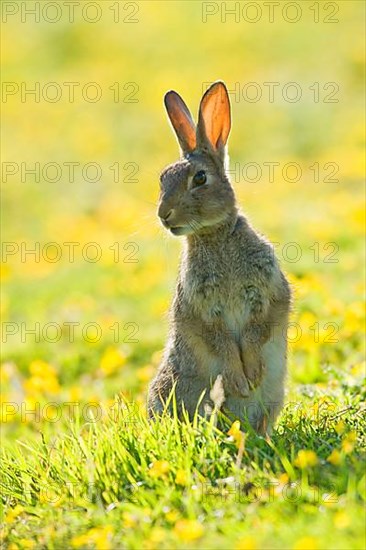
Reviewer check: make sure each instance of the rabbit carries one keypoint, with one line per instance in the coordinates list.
(227, 345)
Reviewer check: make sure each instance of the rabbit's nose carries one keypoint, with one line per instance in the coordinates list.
(164, 216)
(169, 215)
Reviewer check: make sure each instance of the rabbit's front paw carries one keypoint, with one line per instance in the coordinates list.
(235, 383)
(253, 368)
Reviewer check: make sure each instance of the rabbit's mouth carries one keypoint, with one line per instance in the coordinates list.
(180, 230)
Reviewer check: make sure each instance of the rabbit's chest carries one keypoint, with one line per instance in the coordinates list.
(213, 294)
(207, 288)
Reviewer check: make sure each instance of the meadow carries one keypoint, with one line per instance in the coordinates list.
(88, 274)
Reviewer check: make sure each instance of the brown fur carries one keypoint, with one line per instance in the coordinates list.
(230, 311)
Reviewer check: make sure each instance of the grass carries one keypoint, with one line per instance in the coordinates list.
(116, 481)
(120, 482)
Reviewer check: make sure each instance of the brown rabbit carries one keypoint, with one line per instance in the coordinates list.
(230, 311)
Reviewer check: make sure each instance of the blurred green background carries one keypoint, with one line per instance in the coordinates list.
(169, 46)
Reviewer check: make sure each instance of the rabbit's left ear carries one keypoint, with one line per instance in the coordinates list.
(181, 120)
(214, 120)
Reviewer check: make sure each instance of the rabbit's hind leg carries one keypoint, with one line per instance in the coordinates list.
(272, 388)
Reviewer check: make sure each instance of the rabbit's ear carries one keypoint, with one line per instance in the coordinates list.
(181, 120)
(214, 120)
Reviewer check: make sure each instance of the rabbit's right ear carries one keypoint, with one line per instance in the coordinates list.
(181, 120)
(214, 119)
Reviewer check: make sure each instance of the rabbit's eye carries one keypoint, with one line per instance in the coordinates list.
(200, 178)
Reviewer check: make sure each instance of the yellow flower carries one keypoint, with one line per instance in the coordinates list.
(100, 537)
(81, 540)
(112, 360)
(5, 272)
(246, 543)
(7, 371)
(157, 535)
(335, 457)
(27, 543)
(306, 543)
(341, 520)
(172, 516)
(181, 478)
(283, 479)
(75, 393)
(43, 379)
(235, 433)
(280, 483)
(129, 520)
(358, 369)
(41, 368)
(188, 530)
(14, 513)
(322, 405)
(340, 427)
(235, 429)
(159, 468)
(348, 442)
(144, 374)
(306, 459)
